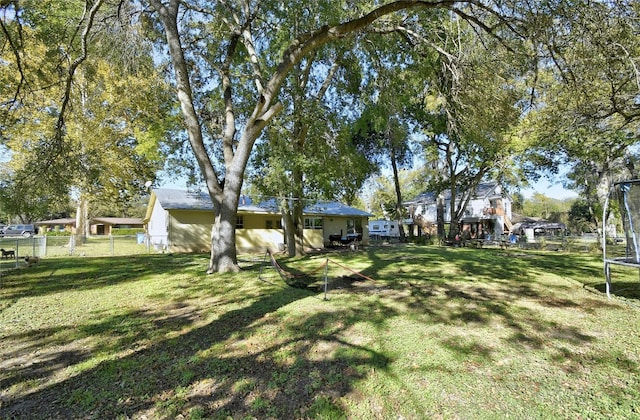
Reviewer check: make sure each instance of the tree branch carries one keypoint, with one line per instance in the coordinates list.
(60, 124)
(16, 53)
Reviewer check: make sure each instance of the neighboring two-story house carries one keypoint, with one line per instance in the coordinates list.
(488, 211)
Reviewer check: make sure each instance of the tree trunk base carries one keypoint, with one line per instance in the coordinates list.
(223, 267)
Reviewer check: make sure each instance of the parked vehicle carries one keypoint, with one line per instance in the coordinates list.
(18, 230)
(383, 229)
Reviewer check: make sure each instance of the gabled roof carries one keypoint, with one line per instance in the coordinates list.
(116, 221)
(94, 221)
(66, 221)
(538, 224)
(171, 199)
(321, 208)
(484, 190)
(334, 208)
(183, 200)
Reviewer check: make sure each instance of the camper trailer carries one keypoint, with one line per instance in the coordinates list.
(383, 229)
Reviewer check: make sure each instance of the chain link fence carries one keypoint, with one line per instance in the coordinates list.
(80, 246)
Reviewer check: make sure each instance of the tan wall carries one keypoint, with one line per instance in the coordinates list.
(259, 240)
(313, 239)
(259, 221)
(190, 231)
(333, 225)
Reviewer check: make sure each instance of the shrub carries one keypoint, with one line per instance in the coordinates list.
(126, 231)
(58, 233)
(423, 240)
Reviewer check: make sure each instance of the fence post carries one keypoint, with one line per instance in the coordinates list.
(17, 252)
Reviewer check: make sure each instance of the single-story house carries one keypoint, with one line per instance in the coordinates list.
(180, 221)
(487, 212)
(97, 225)
(68, 224)
(105, 225)
(537, 226)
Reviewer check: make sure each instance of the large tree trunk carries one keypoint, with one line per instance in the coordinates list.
(224, 188)
(298, 224)
(288, 226)
(298, 209)
(223, 241)
(601, 187)
(223, 232)
(292, 215)
(82, 220)
(399, 207)
(224, 193)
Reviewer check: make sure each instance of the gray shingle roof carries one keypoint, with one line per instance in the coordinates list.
(65, 221)
(171, 199)
(320, 208)
(483, 190)
(117, 220)
(334, 208)
(183, 200)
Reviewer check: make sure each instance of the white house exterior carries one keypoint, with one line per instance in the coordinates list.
(488, 210)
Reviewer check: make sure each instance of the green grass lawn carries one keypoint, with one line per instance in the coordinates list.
(430, 332)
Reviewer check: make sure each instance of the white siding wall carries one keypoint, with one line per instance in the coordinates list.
(478, 207)
(157, 228)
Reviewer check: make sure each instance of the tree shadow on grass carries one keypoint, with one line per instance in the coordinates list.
(302, 369)
(480, 286)
(269, 360)
(63, 274)
(623, 289)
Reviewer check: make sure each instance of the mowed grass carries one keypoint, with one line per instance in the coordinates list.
(429, 332)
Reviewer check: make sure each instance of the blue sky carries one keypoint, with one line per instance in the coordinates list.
(550, 189)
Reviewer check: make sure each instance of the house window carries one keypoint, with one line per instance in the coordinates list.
(239, 222)
(354, 225)
(269, 224)
(312, 223)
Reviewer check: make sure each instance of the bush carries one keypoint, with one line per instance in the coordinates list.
(126, 231)
(58, 233)
(423, 240)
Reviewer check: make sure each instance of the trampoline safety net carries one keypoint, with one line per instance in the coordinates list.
(623, 200)
(628, 196)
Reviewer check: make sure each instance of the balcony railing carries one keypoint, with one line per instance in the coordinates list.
(494, 211)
